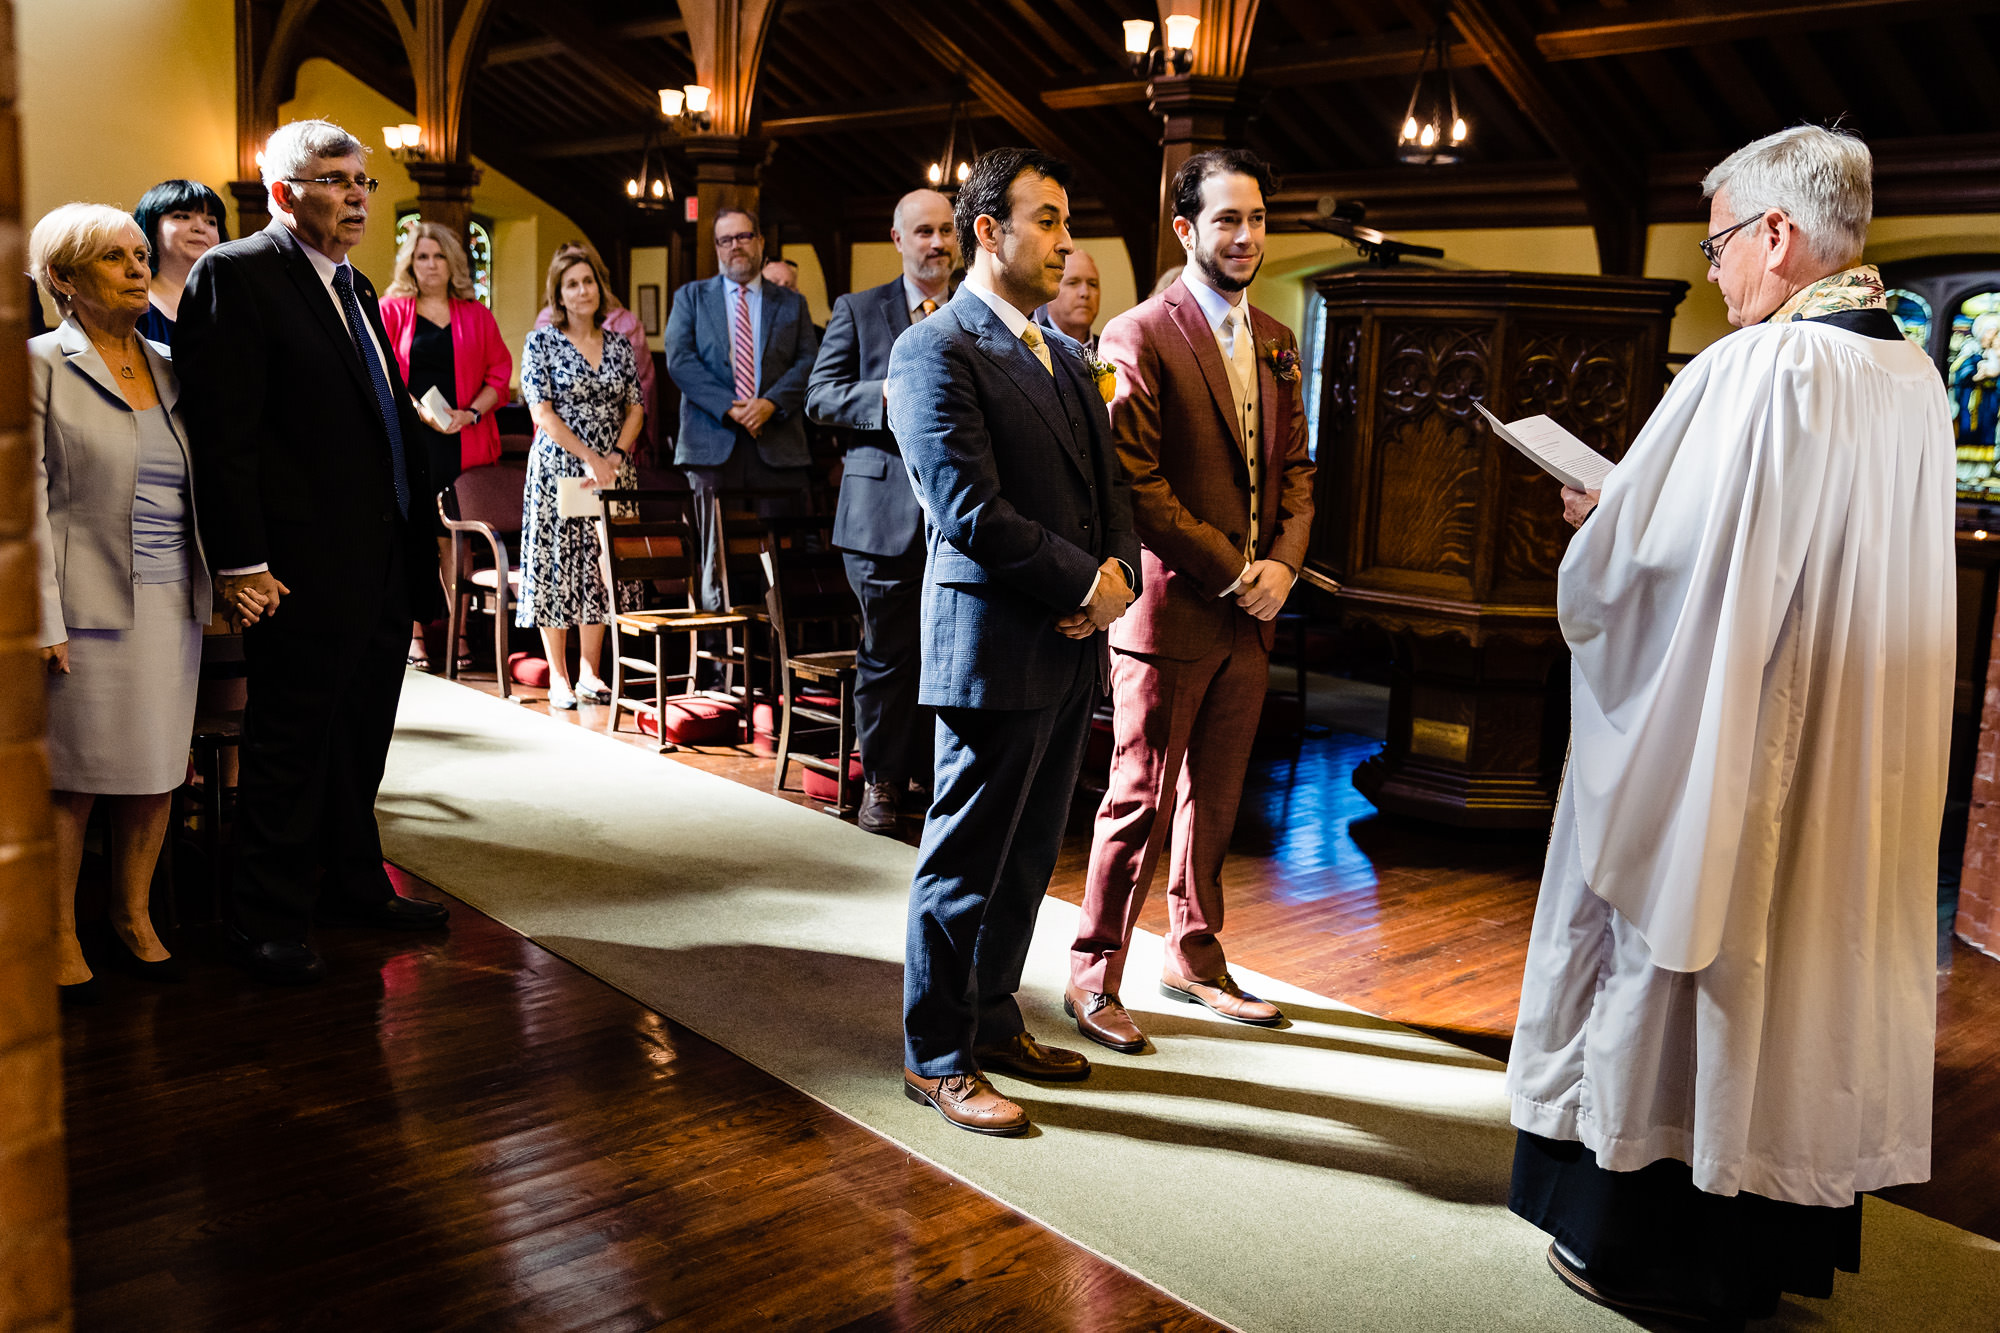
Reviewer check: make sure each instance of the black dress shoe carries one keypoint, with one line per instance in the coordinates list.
(397, 913)
(275, 961)
(80, 995)
(878, 809)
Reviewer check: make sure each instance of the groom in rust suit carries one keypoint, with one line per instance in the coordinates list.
(1209, 422)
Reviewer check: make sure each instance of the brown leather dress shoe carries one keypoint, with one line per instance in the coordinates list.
(1100, 1017)
(968, 1101)
(878, 808)
(1222, 995)
(1025, 1057)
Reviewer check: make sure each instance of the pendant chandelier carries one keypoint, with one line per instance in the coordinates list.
(1433, 132)
(652, 189)
(950, 170)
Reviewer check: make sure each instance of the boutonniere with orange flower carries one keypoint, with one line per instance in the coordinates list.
(1102, 372)
(1284, 362)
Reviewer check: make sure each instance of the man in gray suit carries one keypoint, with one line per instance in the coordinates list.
(739, 348)
(879, 526)
(1030, 556)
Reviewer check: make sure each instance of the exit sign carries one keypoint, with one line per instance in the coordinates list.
(693, 209)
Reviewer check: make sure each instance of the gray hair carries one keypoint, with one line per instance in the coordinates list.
(66, 237)
(1821, 179)
(290, 150)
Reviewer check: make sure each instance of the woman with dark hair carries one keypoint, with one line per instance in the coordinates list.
(582, 389)
(444, 339)
(619, 319)
(182, 221)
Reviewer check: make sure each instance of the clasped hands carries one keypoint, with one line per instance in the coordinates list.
(248, 598)
(1108, 602)
(752, 414)
(1577, 505)
(1264, 587)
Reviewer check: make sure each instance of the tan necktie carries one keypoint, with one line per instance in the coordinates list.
(924, 311)
(1033, 337)
(1243, 381)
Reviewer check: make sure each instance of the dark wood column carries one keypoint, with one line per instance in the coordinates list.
(1197, 112)
(444, 193)
(34, 1223)
(727, 172)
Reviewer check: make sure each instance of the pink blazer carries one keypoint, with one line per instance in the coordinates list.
(478, 357)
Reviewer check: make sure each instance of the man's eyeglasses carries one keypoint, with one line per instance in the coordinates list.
(340, 183)
(1711, 249)
(738, 238)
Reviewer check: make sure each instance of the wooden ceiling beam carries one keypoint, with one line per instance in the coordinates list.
(1660, 25)
(541, 48)
(568, 24)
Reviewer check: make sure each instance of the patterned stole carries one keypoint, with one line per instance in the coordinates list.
(1857, 288)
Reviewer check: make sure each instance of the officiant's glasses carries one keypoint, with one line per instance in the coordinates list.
(1711, 249)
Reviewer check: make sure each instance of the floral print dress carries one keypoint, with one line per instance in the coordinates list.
(562, 582)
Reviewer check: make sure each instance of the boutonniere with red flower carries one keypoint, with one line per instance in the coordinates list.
(1284, 362)
(1102, 373)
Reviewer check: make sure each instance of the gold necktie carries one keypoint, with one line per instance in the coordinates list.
(926, 310)
(1243, 370)
(1033, 337)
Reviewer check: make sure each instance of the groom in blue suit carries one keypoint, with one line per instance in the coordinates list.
(1030, 557)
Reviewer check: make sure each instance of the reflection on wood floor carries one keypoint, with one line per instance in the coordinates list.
(468, 1132)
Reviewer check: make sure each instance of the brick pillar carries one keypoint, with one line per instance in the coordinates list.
(1978, 921)
(34, 1224)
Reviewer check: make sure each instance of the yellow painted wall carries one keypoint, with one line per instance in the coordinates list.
(527, 228)
(119, 95)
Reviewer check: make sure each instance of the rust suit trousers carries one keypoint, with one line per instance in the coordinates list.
(1183, 734)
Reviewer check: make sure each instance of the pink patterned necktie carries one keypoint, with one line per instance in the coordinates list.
(746, 349)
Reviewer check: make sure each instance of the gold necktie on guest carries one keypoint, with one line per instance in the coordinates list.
(1033, 337)
(926, 310)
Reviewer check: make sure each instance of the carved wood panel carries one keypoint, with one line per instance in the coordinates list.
(1583, 379)
(1428, 452)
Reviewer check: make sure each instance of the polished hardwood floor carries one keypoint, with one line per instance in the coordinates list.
(464, 1131)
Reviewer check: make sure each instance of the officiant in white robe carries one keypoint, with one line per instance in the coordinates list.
(1728, 1017)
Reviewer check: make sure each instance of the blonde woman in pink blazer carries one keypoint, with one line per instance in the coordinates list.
(444, 339)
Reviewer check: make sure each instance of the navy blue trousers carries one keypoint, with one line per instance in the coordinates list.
(1002, 783)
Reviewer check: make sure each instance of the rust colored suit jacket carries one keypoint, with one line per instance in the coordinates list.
(1175, 424)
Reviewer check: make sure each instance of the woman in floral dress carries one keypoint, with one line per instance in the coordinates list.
(582, 390)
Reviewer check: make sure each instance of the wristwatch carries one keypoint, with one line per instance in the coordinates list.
(475, 415)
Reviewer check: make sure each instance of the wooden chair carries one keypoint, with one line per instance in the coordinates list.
(808, 585)
(488, 500)
(645, 539)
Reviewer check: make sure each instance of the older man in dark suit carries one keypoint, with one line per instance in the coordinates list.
(878, 526)
(739, 348)
(315, 512)
(1030, 558)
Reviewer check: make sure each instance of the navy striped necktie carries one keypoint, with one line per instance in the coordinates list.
(385, 397)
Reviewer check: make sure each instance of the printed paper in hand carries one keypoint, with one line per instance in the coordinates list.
(1553, 450)
(576, 499)
(435, 404)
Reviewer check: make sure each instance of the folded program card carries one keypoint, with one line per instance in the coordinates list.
(576, 497)
(1553, 450)
(435, 404)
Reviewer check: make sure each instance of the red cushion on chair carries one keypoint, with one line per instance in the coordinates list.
(528, 669)
(692, 720)
(822, 787)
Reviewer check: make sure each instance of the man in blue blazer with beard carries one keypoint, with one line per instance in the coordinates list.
(1030, 557)
(739, 348)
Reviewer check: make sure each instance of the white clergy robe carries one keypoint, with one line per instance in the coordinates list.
(1734, 952)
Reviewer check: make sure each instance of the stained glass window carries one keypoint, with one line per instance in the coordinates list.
(479, 254)
(1912, 314)
(1972, 376)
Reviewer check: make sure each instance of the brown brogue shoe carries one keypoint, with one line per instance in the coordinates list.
(1222, 995)
(967, 1101)
(1024, 1057)
(1100, 1017)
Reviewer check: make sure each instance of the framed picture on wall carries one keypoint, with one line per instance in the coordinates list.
(649, 308)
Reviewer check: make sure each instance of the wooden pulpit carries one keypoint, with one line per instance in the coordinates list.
(1442, 537)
